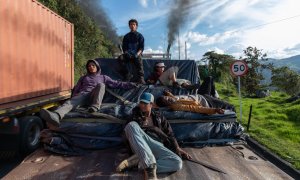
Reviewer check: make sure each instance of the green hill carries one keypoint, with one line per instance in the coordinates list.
(291, 62)
(274, 123)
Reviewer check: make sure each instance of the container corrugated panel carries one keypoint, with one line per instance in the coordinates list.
(36, 51)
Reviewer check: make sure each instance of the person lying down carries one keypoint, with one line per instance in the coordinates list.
(193, 103)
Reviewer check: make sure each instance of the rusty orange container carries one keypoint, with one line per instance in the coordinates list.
(36, 51)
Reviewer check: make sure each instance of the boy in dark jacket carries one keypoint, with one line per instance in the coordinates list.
(133, 47)
(152, 140)
(89, 90)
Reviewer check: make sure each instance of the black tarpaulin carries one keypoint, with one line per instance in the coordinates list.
(187, 68)
(188, 127)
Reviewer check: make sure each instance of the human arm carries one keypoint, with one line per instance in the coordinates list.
(118, 84)
(183, 154)
(125, 44)
(150, 81)
(220, 111)
(168, 93)
(152, 78)
(138, 53)
(167, 129)
(141, 42)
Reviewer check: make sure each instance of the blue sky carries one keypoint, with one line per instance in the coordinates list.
(225, 26)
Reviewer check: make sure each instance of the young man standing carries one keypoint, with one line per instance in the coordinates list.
(133, 46)
(89, 90)
(152, 140)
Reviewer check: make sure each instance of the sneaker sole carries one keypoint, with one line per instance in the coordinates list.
(47, 117)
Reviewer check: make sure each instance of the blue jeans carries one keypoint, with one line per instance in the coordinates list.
(150, 151)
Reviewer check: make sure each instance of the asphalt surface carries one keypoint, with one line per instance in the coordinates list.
(7, 165)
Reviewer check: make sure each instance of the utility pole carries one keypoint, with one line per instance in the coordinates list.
(185, 50)
(178, 46)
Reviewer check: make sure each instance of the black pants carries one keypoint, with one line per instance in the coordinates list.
(208, 90)
(218, 103)
(138, 76)
(207, 87)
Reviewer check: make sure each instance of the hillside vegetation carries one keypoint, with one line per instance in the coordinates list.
(274, 123)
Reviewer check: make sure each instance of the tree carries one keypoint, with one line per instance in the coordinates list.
(286, 80)
(218, 65)
(256, 61)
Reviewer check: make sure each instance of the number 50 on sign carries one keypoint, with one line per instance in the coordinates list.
(238, 68)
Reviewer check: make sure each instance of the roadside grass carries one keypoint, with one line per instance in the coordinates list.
(274, 122)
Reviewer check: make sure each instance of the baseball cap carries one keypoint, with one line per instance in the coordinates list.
(147, 98)
(160, 64)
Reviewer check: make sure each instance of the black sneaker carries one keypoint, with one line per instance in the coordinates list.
(92, 109)
(141, 81)
(50, 117)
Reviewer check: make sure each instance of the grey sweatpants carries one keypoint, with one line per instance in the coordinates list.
(150, 151)
(93, 99)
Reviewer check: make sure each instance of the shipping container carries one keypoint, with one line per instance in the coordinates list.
(36, 51)
(36, 62)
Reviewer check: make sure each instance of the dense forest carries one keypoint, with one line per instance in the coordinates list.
(90, 41)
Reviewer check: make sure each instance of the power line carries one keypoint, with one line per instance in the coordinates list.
(265, 24)
(273, 22)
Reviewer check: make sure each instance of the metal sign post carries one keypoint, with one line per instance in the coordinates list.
(240, 97)
(239, 68)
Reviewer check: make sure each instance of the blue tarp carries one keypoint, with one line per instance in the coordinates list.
(187, 68)
(86, 135)
(72, 138)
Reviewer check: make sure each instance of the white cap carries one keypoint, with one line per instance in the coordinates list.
(160, 64)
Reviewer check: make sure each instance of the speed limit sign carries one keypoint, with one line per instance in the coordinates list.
(238, 68)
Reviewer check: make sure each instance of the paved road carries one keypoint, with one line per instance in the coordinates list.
(7, 165)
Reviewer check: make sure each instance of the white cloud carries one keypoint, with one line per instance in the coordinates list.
(277, 32)
(204, 40)
(149, 50)
(274, 36)
(235, 50)
(225, 24)
(202, 10)
(217, 50)
(283, 53)
(143, 3)
(216, 12)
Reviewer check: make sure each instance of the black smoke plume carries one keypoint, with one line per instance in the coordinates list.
(94, 10)
(176, 19)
